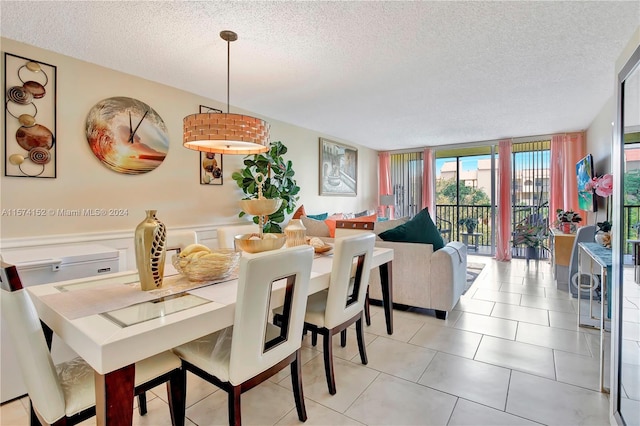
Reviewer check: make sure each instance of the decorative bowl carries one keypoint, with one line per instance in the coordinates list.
(262, 206)
(251, 243)
(216, 264)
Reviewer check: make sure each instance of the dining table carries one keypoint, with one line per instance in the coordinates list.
(112, 324)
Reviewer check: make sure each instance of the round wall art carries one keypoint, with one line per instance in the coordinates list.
(127, 135)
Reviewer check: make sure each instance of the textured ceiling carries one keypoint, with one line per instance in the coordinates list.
(388, 74)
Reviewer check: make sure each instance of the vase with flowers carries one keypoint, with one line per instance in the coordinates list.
(603, 186)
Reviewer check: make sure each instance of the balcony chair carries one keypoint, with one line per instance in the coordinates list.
(226, 234)
(64, 394)
(444, 227)
(240, 357)
(332, 311)
(584, 234)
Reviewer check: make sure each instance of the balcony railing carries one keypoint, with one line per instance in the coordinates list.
(448, 215)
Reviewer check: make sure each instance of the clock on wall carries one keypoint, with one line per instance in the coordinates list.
(127, 135)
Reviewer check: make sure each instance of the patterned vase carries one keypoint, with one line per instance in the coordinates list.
(149, 242)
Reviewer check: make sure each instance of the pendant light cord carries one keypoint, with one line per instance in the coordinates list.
(228, 72)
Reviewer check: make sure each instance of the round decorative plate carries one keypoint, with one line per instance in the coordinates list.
(127, 135)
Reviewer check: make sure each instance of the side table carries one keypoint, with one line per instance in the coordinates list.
(473, 236)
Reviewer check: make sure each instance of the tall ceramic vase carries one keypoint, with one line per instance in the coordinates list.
(150, 239)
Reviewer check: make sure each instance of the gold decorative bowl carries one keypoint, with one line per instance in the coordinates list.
(252, 244)
(262, 206)
(217, 264)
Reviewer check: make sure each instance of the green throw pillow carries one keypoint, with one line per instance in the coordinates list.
(420, 229)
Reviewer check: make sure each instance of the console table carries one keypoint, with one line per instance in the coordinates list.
(600, 257)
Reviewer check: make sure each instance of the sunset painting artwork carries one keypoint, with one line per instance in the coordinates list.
(127, 135)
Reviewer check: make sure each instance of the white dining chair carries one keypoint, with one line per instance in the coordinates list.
(227, 234)
(333, 310)
(64, 394)
(240, 357)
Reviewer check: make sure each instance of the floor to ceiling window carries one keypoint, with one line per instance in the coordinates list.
(406, 181)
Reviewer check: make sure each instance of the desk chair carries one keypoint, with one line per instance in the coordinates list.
(332, 311)
(240, 357)
(226, 234)
(583, 279)
(64, 394)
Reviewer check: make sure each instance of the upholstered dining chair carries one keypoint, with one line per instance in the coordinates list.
(226, 234)
(581, 279)
(333, 310)
(240, 357)
(64, 394)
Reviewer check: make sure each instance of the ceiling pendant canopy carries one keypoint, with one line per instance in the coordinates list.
(222, 133)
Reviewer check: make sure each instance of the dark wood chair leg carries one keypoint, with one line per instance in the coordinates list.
(361, 346)
(142, 403)
(296, 382)
(235, 417)
(314, 337)
(367, 313)
(177, 394)
(343, 338)
(328, 362)
(441, 314)
(33, 418)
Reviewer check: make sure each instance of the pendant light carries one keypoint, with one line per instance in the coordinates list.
(226, 133)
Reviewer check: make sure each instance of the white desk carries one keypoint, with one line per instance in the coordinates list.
(600, 257)
(112, 349)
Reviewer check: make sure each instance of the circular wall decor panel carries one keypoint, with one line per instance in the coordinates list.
(127, 135)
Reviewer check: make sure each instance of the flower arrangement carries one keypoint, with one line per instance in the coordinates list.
(603, 185)
(529, 235)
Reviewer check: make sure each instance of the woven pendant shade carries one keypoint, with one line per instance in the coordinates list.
(226, 133)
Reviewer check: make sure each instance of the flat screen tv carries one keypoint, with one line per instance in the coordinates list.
(584, 172)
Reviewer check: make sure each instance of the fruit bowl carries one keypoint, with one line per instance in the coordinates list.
(207, 266)
(251, 243)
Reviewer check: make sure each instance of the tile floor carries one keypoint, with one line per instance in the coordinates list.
(509, 354)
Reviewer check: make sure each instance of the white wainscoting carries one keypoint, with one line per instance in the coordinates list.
(119, 240)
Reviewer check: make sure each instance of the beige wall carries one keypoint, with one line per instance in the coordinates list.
(173, 188)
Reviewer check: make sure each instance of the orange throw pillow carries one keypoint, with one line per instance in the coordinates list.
(331, 223)
(300, 212)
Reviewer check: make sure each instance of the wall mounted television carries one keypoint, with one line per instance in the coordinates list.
(584, 171)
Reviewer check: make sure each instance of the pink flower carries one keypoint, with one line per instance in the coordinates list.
(604, 185)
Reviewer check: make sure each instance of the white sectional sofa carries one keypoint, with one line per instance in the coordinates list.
(421, 277)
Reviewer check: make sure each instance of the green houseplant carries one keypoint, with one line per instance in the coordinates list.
(470, 223)
(279, 183)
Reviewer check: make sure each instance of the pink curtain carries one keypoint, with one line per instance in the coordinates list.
(428, 182)
(503, 220)
(566, 151)
(556, 193)
(384, 176)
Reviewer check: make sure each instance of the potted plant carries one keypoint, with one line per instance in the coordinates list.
(636, 227)
(470, 223)
(530, 236)
(567, 220)
(278, 183)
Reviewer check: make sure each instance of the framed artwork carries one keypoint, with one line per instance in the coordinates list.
(338, 169)
(127, 135)
(210, 168)
(210, 164)
(584, 173)
(29, 117)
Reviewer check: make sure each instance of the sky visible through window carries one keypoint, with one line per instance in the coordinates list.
(522, 159)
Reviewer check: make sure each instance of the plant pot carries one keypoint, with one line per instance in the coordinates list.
(470, 230)
(565, 227)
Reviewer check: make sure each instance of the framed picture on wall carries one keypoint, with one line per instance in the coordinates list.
(210, 164)
(338, 169)
(210, 168)
(29, 117)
